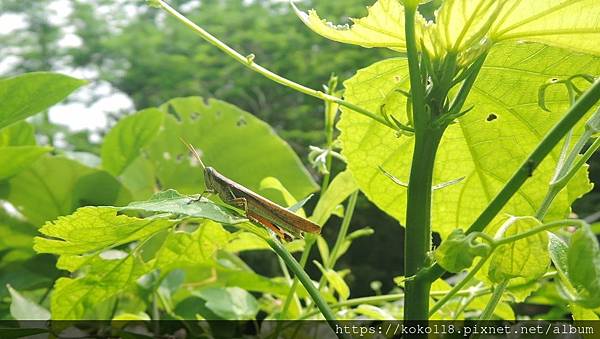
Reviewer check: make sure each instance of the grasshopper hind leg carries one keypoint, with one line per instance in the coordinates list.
(243, 204)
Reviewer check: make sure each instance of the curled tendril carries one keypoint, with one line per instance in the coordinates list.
(573, 91)
(401, 128)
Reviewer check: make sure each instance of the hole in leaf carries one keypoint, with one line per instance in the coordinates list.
(194, 116)
(179, 157)
(172, 111)
(491, 117)
(241, 122)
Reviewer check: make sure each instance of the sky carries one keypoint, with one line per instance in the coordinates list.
(75, 113)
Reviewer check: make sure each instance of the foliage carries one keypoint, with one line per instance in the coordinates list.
(133, 235)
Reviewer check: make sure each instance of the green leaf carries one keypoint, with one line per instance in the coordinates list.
(479, 147)
(461, 25)
(458, 251)
(170, 201)
(139, 178)
(338, 190)
(527, 258)
(126, 139)
(92, 229)
(571, 25)
(16, 238)
(55, 186)
(336, 281)
(182, 249)
(22, 308)
(382, 27)
(18, 134)
(374, 312)
(581, 313)
(584, 266)
(24, 95)
(16, 158)
(236, 143)
(246, 241)
(231, 303)
(558, 250)
(79, 298)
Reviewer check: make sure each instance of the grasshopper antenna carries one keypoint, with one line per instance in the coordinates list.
(194, 152)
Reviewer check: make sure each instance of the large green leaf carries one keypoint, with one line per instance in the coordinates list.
(182, 249)
(170, 201)
(92, 229)
(17, 134)
(123, 143)
(16, 158)
(55, 186)
(234, 142)
(16, 238)
(24, 95)
(485, 146)
(18, 148)
(462, 24)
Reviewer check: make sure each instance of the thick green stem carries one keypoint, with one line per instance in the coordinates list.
(417, 240)
(295, 267)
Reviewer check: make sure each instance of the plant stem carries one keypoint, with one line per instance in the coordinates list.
(538, 229)
(310, 240)
(568, 168)
(341, 237)
(459, 285)
(248, 61)
(417, 241)
(496, 296)
(379, 299)
(305, 280)
(330, 113)
(552, 138)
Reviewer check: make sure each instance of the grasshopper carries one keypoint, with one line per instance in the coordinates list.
(257, 208)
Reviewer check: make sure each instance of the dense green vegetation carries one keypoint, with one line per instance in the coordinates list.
(476, 127)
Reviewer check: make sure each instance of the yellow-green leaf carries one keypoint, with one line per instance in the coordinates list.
(526, 258)
(91, 229)
(569, 24)
(486, 145)
(382, 27)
